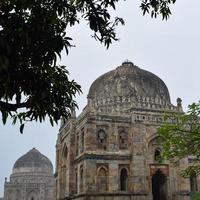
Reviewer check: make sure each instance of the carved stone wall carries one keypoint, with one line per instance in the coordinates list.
(27, 182)
(113, 144)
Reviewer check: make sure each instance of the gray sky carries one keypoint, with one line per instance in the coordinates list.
(169, 49)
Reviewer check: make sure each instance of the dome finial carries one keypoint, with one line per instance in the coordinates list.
(127, 62)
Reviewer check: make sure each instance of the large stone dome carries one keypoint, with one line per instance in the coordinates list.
(129, 86)
(129, 80)
(33, 161)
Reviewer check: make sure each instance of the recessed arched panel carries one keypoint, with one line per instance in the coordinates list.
(123, 179)
(63, 179)
(102, 179)
(33, 195)
(64, 152)
(193, 183)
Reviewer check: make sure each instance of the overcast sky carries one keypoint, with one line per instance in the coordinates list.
(171, 50)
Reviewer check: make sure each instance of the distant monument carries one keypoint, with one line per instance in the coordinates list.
(31, 179)
(110, 151)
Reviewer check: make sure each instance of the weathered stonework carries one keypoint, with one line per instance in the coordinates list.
(32, 178)
(112, 145)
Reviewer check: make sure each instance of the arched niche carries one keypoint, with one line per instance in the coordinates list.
(154, 149)
(193, 182)
(102, 179)
(63, 181)
(33, 195)
(123, 179)
(64, 153)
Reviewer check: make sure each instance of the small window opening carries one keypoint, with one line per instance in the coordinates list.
(123, 140)
(101, 137)
(157, 155)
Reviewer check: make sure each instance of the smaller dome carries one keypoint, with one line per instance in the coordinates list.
(33, 161)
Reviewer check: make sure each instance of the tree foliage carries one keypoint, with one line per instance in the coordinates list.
(181, 138)
(196, 196)
(32, 35)
(157, 7)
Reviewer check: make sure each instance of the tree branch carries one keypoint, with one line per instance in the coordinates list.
(12, 107)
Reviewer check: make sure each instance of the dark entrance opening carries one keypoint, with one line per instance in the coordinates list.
(123, 180)
(159, 186)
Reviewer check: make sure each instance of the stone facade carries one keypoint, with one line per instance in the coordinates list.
(32, 178)
(110, 151)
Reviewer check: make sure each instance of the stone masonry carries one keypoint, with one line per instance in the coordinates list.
(110, 151)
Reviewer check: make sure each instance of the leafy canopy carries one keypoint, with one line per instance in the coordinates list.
(32, 35)
(181, 138)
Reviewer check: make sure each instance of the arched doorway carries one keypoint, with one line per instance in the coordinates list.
(159, 186)
(123, 180)
(33, 195)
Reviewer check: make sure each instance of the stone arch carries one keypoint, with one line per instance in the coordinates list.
(64, 152)
(63, 181)
(123, 179)
(102, 178)
(152, 139)
(33, 195)
(154, 149)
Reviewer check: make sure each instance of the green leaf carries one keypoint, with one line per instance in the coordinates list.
(4, 116)
(21, 128)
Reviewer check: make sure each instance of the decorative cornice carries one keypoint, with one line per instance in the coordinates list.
(96, 156)
(109, 194)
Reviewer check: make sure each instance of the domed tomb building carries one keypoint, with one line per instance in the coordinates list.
(31, 179)
(110, 151)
